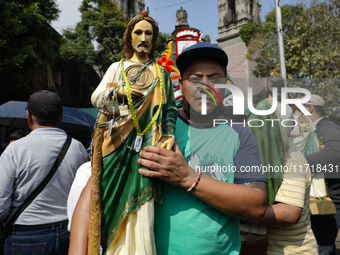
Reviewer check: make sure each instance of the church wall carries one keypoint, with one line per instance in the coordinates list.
(130, 8)
(233, 14)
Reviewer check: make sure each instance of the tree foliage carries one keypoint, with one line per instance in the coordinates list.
(25, 43)
(102, 25)
(162, 42)
(311, 38)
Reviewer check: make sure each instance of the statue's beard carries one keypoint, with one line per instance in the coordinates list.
(142, 48)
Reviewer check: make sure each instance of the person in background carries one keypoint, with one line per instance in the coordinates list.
(326, 160)
(13, 136)
(288, 219)
(82, 176)
(272, 139)
(42, 227)
(17, 134)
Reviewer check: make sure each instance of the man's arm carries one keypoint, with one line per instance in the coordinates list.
(290, 198)
(234, 199)
(103, 89)
(280, 215)
(7, 181)
(80, 223)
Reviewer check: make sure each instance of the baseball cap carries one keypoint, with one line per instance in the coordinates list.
(201, 50)
(316, 100)
(40, 104)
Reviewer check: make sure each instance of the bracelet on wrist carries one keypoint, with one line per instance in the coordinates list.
(198, 178)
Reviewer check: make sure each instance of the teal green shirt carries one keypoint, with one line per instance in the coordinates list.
(183, 223)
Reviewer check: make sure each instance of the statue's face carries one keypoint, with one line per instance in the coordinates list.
(142, 35)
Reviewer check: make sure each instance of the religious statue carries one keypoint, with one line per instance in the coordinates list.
(136, 108)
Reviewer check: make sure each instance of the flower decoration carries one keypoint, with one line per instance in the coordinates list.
(166, 63)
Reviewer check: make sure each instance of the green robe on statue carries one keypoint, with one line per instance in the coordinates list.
(272, 140)
(123, 191)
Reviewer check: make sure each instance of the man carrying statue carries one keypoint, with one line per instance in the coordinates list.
(136, 108)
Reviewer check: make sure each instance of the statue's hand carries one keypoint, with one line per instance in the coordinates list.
(166, 142)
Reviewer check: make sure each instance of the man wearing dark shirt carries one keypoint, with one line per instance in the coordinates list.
(327, 160)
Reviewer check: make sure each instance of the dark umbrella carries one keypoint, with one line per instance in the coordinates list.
(13, 114)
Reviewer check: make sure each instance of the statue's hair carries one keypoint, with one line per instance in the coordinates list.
(128, 50)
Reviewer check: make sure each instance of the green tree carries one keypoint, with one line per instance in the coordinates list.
(311, 45)
(26, 41)
(162, 42)
(102, 24)
(311, 37)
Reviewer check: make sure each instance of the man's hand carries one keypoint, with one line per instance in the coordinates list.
(169, 166)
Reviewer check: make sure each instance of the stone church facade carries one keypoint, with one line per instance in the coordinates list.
(233, 14)
(130, 8)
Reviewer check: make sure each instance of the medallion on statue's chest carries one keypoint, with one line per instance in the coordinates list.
(139, 79)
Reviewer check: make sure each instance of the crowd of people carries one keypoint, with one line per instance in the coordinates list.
(153, 182)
